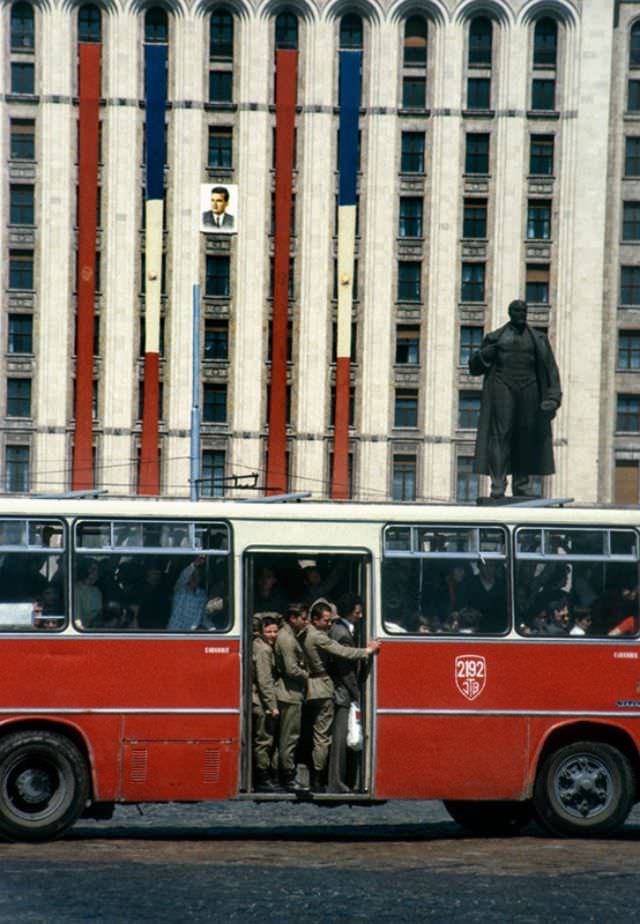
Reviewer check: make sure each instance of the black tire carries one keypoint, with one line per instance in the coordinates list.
(491, 819)
(44, 785)
(586, 788)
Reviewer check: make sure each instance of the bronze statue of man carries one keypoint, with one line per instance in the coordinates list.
(520, 396)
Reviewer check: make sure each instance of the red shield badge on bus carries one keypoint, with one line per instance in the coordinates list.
(471, 675)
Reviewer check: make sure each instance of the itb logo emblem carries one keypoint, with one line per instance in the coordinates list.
(471, 675)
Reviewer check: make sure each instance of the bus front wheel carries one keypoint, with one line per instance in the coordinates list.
(491, 819)
(585, 788)
(44, 785)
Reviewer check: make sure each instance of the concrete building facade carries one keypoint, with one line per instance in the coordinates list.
(499, 157)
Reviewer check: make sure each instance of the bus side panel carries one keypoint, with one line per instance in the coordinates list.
(450, 757)
(434, 737)
(161, 716)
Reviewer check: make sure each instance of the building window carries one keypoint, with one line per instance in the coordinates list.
(629, 350)
(477, 153)
(412, 152)
(409, 288)
(480, 41)
(406, 408)
(633, 95)
(220, 86)
(18, 397)
(213, 465)
(221, 36)
(407, 345)
(22, 27)
(216, 340)
(630, 285)
(628, 414)
(214, 405)
(634, 45)
(631, 221)
(20, 333)
(21, 205)
(220, 148)
(218, 276)
(351, 35)
(478, 93)
(22, 78)
(89, 23)
(404, 478)
(474, 223)
(16, 464)
(538, 283)
(156, 26)
(539, 220)
(473, 282)
(470, 341)
(23, 133)
(632, 157)
(541, 155)
(467, 486)
(468, 410)
(287, 31)
(414, 92)
(410, 216)
(414, 52)
(21, 269)
(543, 95)
(545, 43)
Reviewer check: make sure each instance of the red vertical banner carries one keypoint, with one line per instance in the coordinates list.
(88, 134)
(286, 92)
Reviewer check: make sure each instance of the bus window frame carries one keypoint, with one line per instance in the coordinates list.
(64, 552)
(136, 632)
(476, 556)
(570, 558)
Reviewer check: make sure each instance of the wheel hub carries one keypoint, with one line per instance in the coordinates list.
(583, 786)
(34, 786)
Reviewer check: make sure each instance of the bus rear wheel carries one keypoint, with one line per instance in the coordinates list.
(585, 788)
(44, 785)
(492, 819)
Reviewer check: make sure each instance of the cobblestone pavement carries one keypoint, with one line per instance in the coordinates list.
(300, 863)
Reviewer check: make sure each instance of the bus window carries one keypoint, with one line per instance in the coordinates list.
(577, 582)
(32, 575)
(445, 580)
(152, 576)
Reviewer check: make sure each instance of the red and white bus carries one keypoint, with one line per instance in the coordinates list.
(111, 693)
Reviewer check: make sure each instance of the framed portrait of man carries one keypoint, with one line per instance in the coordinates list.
(218, 208)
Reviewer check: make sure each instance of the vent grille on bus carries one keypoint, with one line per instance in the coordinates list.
(211, 766)
(139, 765)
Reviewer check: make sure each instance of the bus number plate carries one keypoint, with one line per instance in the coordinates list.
(471, 675)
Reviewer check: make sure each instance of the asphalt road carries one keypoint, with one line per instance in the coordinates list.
(300, 863)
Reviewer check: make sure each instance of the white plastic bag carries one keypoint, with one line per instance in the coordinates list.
(355, 738)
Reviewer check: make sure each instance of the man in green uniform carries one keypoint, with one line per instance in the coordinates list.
(319, 649)
(265, 712)
(290, 689)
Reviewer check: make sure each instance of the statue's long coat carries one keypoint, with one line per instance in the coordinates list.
(539, 448)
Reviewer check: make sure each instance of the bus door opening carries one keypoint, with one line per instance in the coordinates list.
(296, 749)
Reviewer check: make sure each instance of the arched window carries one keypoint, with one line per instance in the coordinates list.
(22, 27)
(221, 35)
(415, 41)
(89, 23)
(634, 45)
(545, 43)
(480, 42)
(351, 31)
(156, 26)
(287, 31)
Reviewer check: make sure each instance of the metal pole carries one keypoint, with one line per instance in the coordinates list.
(195, 397)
